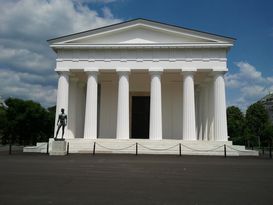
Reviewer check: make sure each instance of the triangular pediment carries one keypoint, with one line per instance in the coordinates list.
(139, 34)
(141, 31)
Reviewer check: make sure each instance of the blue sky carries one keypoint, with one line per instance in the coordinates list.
(27, 64)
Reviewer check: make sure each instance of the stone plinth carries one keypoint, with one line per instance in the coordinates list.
(58, 148)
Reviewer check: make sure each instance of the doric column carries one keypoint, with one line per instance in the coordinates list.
(198, 114)
(155, 129)
(90, 123)
(62, 98)
(155, 132)
(211, 109)
(189, 129)
(72, 107)
(123, 104)
(220, 116)
(205, 115)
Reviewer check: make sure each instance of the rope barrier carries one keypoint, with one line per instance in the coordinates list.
(164, 149)
(159, 149)
(115, 148)
(237, 149)
(208, 150)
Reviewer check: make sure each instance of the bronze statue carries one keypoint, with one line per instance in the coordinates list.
(62, 121)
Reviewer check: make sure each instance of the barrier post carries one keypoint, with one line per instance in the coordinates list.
(47, 148)
(263, 150)
(67, 148)
(180, 150)
(94, 148)
(225, 150)
(136, 148)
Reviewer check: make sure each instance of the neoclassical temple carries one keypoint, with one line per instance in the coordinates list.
(142, 79)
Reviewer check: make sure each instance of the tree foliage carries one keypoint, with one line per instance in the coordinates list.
(26, 122)
(236, 124)
(257, 120)
(253, 129)
(267, 134)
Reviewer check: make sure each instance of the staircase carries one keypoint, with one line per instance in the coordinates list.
(167, 147)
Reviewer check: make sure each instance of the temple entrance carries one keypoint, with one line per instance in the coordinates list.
(140, 117)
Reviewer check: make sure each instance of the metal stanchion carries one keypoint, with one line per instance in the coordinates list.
(94, 148)
(225, 150)
(180, 149)
(67, 149)
(47, 148)
(136, 148)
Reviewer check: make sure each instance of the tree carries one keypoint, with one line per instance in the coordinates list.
(256, 121)
(27, 122)
(236, 125)
(267, 135)
(3, 121)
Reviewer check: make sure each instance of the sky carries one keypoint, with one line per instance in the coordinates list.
(27, 63)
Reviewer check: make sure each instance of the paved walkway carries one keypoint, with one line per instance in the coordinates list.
(129, 179)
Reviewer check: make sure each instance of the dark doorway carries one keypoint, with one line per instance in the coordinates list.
(140, 117)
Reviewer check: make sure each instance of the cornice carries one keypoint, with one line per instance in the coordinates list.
(142, 46)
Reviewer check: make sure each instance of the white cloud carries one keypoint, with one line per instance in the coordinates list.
(248, 71)
(107, 13)
(25, 26)
(249, 84)
(22, 85)
(254, 91)
(269, 79)
(246, 74)
(25, 59)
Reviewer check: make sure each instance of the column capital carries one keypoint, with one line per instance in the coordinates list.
(155, 70)
(123, 70)
(186, 70)
(187, 73)
(91, 70)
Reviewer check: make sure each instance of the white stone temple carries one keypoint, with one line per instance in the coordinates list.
(144, 82)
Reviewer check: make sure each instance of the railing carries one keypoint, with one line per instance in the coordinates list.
(262, 150)
(180, 145)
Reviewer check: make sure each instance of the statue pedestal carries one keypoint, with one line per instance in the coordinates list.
(58, 148)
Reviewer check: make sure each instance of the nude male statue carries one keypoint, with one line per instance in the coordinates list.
(62, 121)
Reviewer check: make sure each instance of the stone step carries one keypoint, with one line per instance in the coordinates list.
(151, 147)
